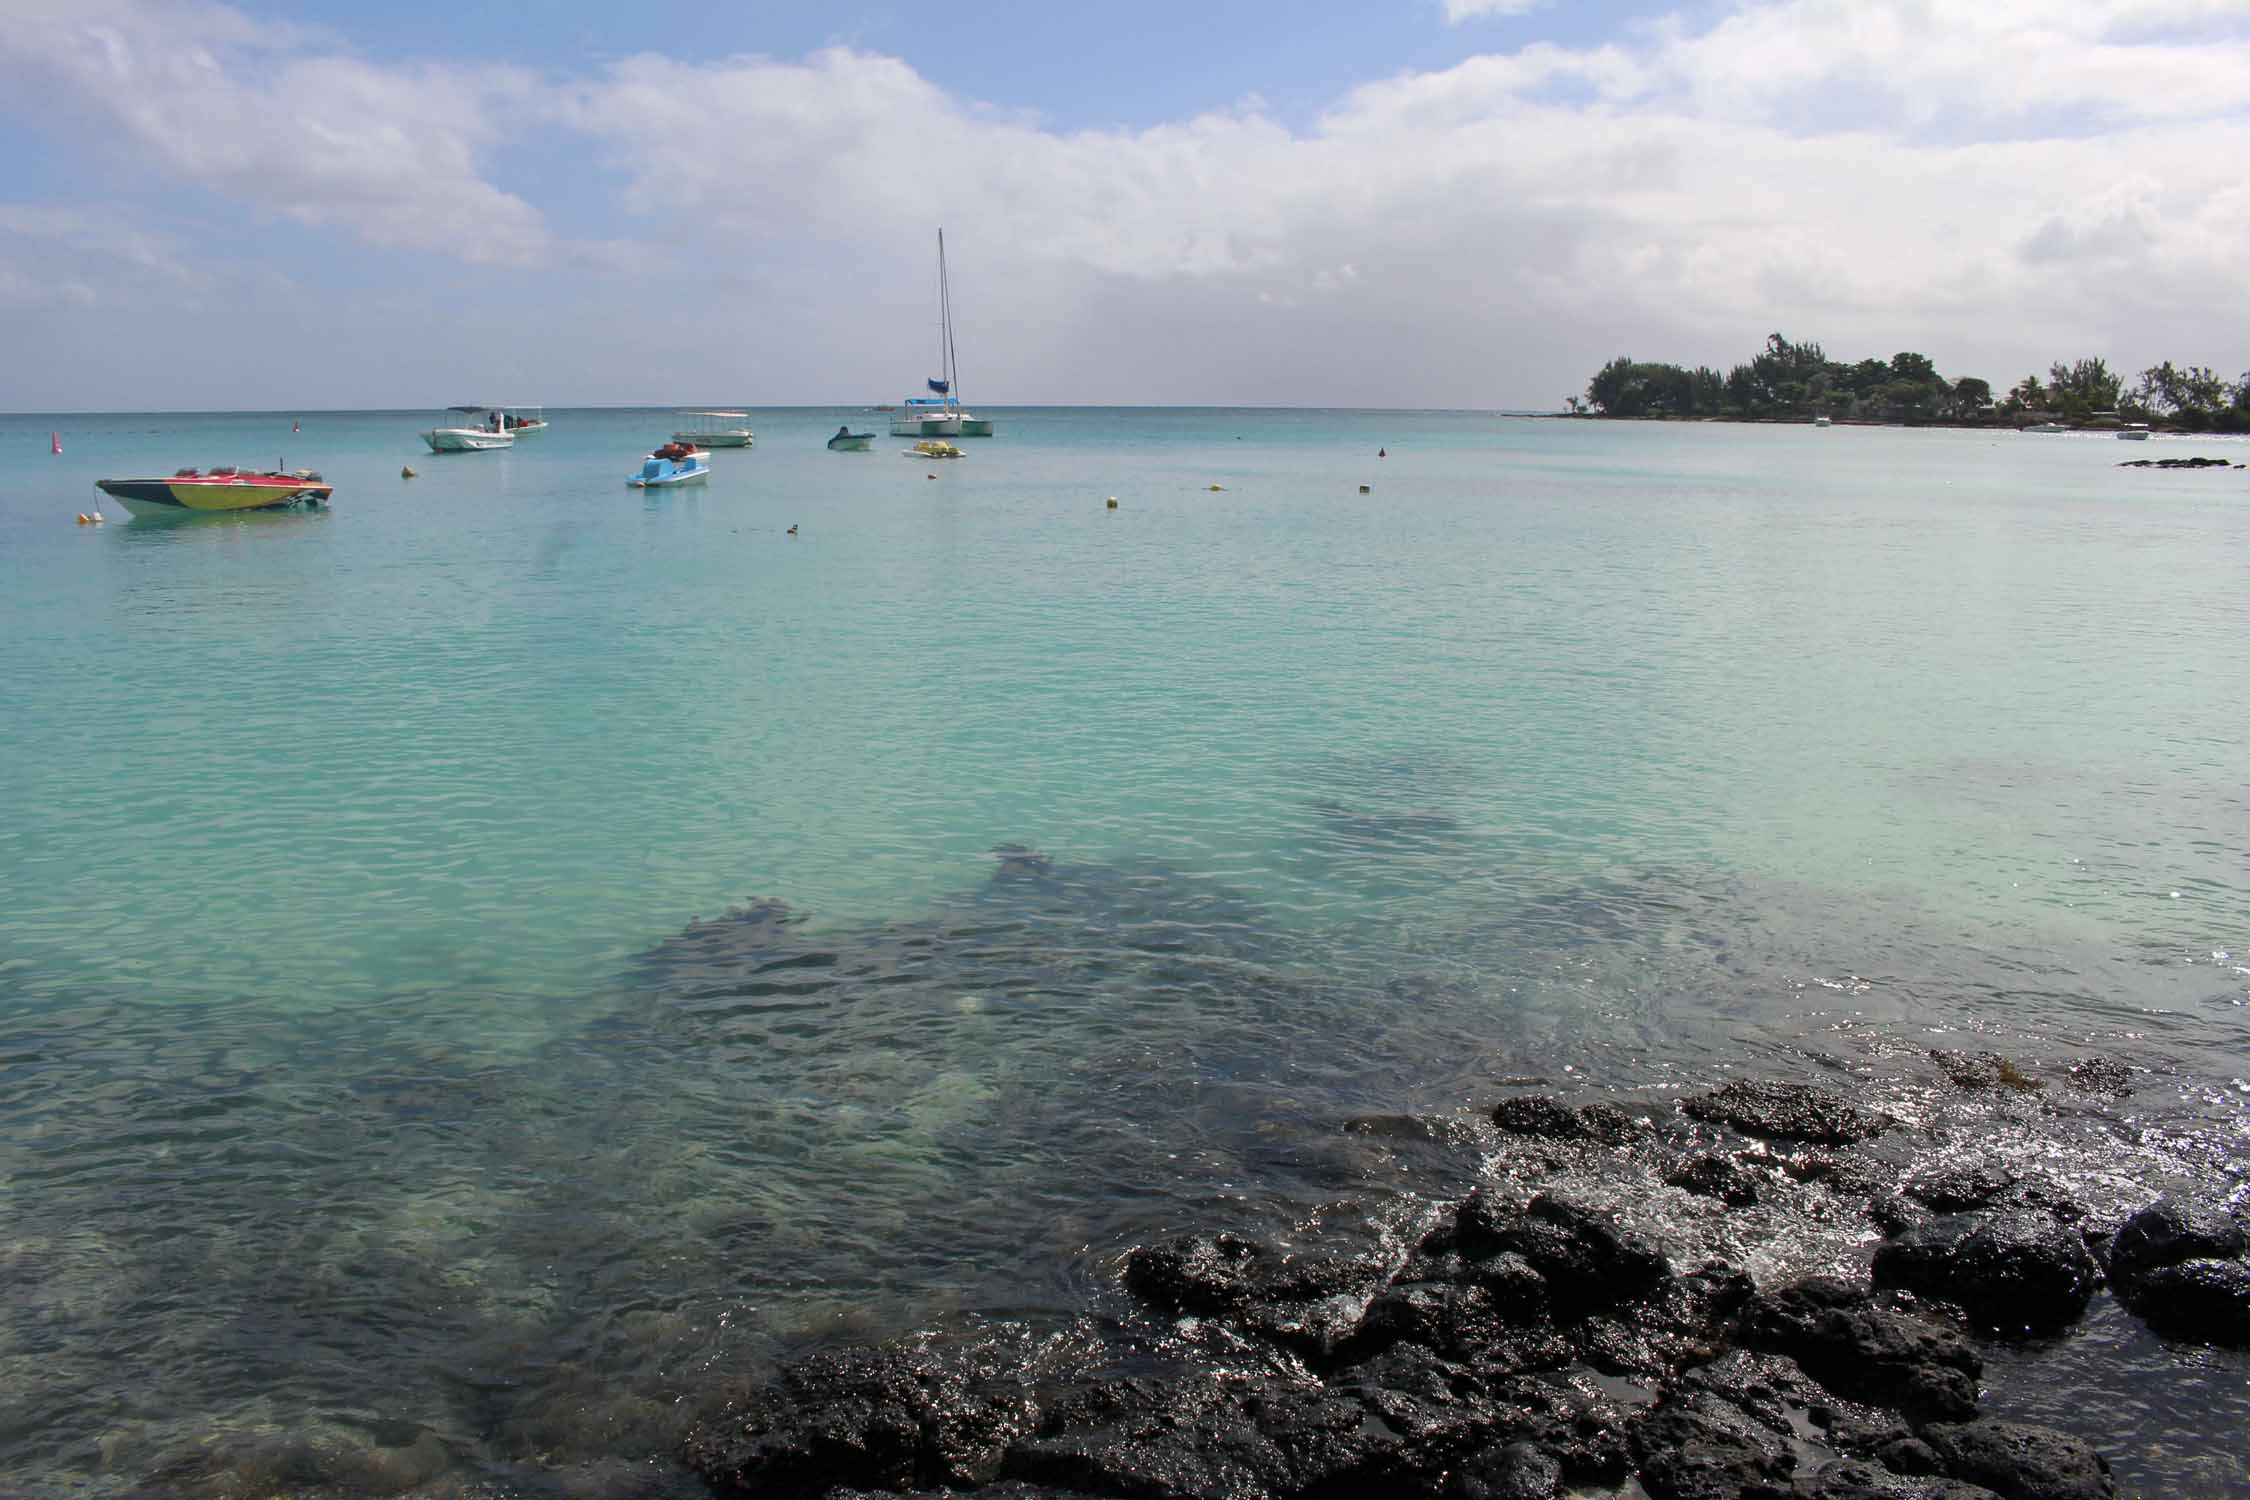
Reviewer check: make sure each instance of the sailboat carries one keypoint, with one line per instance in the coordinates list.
(939, 414)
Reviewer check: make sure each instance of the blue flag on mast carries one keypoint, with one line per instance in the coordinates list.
(941, 387)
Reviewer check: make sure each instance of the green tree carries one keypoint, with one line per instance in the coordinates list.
(1971, 396)
(1914, 367)
(2027, 395)
(2083, 388)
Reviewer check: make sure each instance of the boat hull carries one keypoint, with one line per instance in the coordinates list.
(858, 442)
(914, 424)
(172, 496)
(466, 440)
(715, 439)
(975, 426)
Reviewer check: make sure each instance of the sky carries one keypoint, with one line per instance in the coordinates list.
(1427, 203)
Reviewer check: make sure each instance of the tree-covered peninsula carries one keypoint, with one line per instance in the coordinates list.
(1799, 382)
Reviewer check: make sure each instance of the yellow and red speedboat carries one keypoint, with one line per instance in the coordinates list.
(219, 489)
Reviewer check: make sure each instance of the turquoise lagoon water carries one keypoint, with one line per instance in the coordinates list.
(354, 1073)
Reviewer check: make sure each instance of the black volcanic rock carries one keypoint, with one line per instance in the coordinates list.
(1712, 1175)
(874, 1418)
(1507, 1471)
(1310, 1303)
(2185, 1268)
(2007, 1271)
(1587, 1260)
(1201, 1435)
(2197, 1299)
(1857, 1479)
(1205, 1274)
(1703, 1447)
(2019, 1461)
(2171, 1230)
(1538, 1115)
(1961, 1185)
(1788, 1112)
(1543, 1118)
(1863, 1350)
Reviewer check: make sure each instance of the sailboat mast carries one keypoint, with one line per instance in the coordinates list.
(945, 322)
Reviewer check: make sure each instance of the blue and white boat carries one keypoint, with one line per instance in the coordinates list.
(939, 414)
(672, 464)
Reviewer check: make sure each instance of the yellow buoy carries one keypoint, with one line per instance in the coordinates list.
(83, 518)
(1218, 489)
(407, 472)
(1112, 502)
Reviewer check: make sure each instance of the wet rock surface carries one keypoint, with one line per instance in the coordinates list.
(2019, 1461)
(1863, 1349)
(2184, 1266)
(1787, 1112)
(1518, 1344)
(2014, 1270)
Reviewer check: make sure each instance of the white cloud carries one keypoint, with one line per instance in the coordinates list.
(1682, 195)
(54, 257)
(1457, 11)
(1997, 187)
(205, 95)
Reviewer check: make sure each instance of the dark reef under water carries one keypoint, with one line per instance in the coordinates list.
(1101, 1177)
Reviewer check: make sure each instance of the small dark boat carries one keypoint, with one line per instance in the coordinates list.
(848, 441)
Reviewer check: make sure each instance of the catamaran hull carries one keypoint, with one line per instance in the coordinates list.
(172, 496)
(466, 440)
(914, 425)
(976, 426)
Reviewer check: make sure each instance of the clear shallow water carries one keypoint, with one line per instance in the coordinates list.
(350, 1071)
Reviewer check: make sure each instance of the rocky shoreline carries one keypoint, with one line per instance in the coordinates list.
(1529, 1339)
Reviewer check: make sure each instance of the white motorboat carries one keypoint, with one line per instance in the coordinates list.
(2046, 427)
(500, 428)
(2134, 432)
(714, 429)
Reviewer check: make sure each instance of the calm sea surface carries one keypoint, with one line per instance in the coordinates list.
(359, 1071)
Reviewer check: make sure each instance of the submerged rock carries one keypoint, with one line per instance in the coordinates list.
(1983, 1070)
(1788, 1112)
(2008, 1271)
